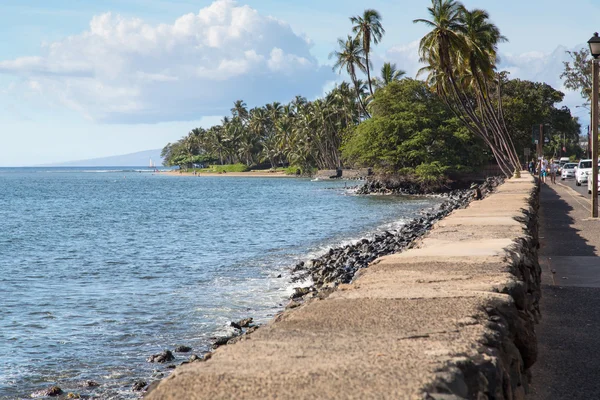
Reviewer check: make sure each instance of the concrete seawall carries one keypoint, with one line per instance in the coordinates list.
(453, 318)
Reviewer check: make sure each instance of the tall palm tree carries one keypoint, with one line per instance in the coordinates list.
(460, 56)
(240, 110)
(369, 30)
(350, 57)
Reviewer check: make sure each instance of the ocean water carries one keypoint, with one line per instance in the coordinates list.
(100, 268)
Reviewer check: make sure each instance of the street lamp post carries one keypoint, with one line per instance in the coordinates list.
(594, 43)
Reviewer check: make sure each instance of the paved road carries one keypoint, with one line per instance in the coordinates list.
(571, 183)
(569, 333)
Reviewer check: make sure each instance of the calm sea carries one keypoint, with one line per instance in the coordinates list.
(102, 267)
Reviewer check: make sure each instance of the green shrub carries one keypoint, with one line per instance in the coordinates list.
(431, 173)
(292, 170)
(229, 168)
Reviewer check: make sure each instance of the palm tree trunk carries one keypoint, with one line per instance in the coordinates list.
(368, 72)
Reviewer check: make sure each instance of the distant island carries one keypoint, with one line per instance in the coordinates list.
(138, 159)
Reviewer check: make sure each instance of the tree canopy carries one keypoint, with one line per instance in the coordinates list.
(577, 74)
(529, 104)
(412, 130)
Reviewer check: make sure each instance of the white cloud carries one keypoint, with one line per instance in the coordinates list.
(124, 70)
(406, 57)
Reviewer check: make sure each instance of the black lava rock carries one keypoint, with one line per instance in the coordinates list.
(138, 386)
(163, 357)
(244, 323)
(53, 391)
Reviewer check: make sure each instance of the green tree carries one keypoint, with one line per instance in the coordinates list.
(577, 74)
(528, 104)
(412, 131)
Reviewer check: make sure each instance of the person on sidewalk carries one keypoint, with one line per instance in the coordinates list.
(553, 170)
(543, 168)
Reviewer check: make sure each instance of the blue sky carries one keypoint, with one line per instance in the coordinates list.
(82, 78)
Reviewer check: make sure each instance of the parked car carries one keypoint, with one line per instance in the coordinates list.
(568, 171)
(590, 181)
(583, 168)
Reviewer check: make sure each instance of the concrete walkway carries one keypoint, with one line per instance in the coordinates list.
(450, 319)
(569, 333)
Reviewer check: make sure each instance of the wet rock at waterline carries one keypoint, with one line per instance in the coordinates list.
(52, 391)
(138, 386)
(222, 341)
(163, 357)
(183, 349)
(301, 291)
(245, 323)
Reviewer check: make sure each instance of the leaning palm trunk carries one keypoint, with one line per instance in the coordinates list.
(497, 119)
(462, 109)
(487, 139)
(485, 127)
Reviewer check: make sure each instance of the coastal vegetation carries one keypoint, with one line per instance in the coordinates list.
(412, 132)
(464, 114)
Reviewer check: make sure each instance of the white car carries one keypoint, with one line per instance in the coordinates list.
(568, 171)
(590, 182)
(583, 169)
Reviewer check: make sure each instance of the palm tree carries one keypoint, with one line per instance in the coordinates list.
(240, 110)
(389, 73)
(350, 57)
(369, 30)
(460, 53)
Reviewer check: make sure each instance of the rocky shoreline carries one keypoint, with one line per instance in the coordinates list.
(340, 265)
(337, 266)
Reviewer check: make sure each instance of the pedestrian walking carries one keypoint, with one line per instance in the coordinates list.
(553, 170)
(543, 168)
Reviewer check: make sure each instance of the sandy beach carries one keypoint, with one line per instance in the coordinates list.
(249, 174)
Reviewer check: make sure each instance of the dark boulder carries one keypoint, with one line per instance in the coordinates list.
(244, 323)
(251, 329)
(138, 386)
(53, 391)
(163, 357)
(299, 292)
(183, 349)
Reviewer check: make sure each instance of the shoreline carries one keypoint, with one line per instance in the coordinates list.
(327, 274)
(249, 174)
(342, 264)
(330, 270)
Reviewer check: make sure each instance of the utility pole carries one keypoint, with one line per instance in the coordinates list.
(588, 150)
(541, 142)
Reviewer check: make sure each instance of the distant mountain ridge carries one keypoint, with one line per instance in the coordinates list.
(138, 159)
